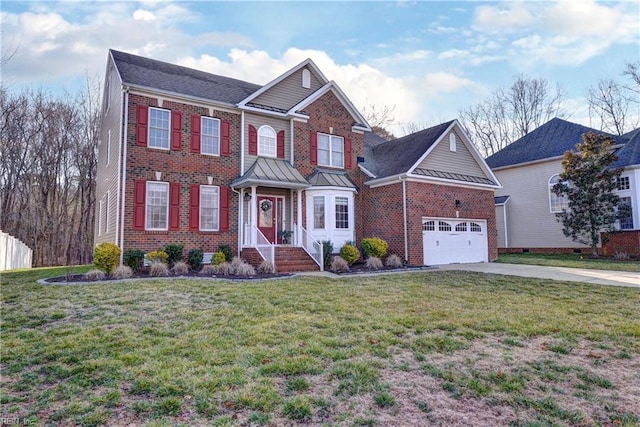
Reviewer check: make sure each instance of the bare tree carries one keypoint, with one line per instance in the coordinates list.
(512, 112)
(633, 71)
(380, 120)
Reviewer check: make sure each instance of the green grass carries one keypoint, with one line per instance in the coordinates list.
(570, 261)
(308, 349)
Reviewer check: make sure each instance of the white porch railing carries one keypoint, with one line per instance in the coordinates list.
(310, 245)
(264, 247)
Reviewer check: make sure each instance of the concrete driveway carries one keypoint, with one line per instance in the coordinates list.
(599, 277)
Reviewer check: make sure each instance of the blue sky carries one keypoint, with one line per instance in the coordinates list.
(425, 59)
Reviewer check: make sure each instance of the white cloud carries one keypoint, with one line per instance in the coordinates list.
(506, 17)
(143, 15)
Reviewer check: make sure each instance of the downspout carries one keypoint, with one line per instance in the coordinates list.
(291, 140)
(404, 217)
(504, 215)
(123, 142)
(242, 143)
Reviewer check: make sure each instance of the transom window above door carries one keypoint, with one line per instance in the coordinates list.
(330, 150)
(267, 141)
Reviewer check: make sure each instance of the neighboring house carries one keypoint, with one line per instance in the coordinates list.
(430, 196)
(525, 205)
(202, 160)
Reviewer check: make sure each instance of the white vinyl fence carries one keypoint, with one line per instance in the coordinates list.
(14, 253)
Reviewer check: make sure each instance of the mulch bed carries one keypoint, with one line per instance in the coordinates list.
(80, 278)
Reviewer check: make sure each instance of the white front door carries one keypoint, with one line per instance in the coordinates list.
(449, 241)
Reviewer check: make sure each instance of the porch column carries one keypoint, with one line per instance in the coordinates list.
(299, 216)
(254, 215)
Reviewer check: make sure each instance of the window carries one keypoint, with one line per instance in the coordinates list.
(330, 150)
(452, 142)
(159, 128)
(157, 209)
(266, 141)
(556, 203)
(475, 227)
(461, 227)
(318, 212)
(100, 206)
(108, 146)
(106, 213)
(429, 226)
(627, 222)
(209, 208)
(444, 226)
(306, 79)
(623, 183)
(342, 213)
(210, 136)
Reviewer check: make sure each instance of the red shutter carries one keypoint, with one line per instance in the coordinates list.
(253, 140)
(141, 129)
(314, 148)
(194, 207)
(280, 144)
(139, 196)
(195, 133)
(174, 206)
(224, 208)
(225, 131)
(347, 153)
(176, 130)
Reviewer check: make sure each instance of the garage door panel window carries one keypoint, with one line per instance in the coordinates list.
(475, 227)
(429, 226)
(444, 226)
(461, 227)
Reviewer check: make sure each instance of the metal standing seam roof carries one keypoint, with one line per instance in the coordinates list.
(272, 172)
(326, 178)
(453, 176)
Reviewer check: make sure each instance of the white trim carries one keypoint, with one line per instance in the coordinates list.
(149, 129)
(366, 171)
(532, 162)
(405, 219)
(100, 206)
(146, 205)
(291, 142)
(202, 120)
(122, 172)
(549, 195)
(108, 147)
(260, 152)
(331, 137)
(306, 78)
(374, 183)
(217, 187)
(452, 142)
(106, 213)
(242, 141)
(331, 188)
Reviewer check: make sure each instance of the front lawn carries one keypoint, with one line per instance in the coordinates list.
(569, 260)
(429, 348)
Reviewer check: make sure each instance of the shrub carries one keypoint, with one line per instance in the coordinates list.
(226, 250)
(94, 275)
(245, 269)
(327, 250)
(157, 256)
(339, 265)
(236, 262)
(266, 267)
(208, 270)
(180, 268)
(194, 258)
(106, 257)
(350, 253)
(394, 261)
(218, 258)
(374, 246)
(374, 263)
(123, 272)
(158, 269)
(225, 269)
(134, 259)
(174, 253)
(621, 256)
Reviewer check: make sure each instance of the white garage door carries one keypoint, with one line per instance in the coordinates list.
(448, 241)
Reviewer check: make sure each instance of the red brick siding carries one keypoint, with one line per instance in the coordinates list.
(383, 214)
(182, 167)
(624, 242)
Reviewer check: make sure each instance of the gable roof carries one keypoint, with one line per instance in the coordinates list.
(144, 72)
(550, 140)
(629, 154)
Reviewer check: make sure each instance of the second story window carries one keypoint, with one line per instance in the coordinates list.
(330, 150)
(556, 203)
(210, 136)
(159, 128)
(266, 141)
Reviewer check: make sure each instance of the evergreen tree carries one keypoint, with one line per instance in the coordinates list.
(588, 181)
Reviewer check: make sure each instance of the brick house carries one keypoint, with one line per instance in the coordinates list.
(204, 160)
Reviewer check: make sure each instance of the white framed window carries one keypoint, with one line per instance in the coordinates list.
(461, 227)
(429, 226)
(452, 142)
(306, 79)
(623, 183)
(159, 128)
(100, 207)
(444, 226)
(108, 147)
(106, 213)
(556, 203)
(342, 213)
(626, 223)
(209, 208)
(330, 150)
(318, 212)
(157, 206)
(266, 141)
(475, 227)
(210, 136)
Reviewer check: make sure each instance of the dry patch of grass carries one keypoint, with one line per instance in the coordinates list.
(441, 348)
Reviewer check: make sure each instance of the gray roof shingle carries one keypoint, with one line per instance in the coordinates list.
(629, 154)
(388, 158)
(137, 70)
(551, 139)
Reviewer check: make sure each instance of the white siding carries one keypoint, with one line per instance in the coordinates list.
(277, 124)
(288, 92)
(461, 161)
(500, 220)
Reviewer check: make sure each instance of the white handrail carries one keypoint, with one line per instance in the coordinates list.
(311, 246)
(264, 246)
